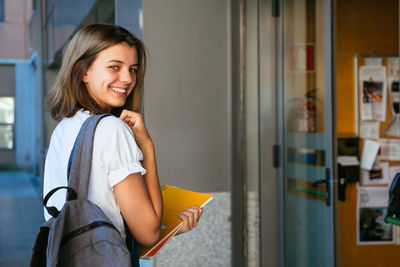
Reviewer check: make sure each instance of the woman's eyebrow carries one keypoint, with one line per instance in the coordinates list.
(121, 62)
(116, 61)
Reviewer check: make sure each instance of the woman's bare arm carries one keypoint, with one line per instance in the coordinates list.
(139, 197)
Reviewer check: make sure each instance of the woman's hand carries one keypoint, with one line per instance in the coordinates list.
(135, 121)
(190, 218)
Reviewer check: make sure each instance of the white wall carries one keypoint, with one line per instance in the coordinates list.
(187, 112)
(186, 97)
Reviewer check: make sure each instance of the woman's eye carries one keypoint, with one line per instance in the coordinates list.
(133, 70)
(114, 67)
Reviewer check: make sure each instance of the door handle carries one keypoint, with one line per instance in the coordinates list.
(327, 186)
(342, 183)
(318, 182)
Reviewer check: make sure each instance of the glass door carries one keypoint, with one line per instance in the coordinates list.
(306, 133)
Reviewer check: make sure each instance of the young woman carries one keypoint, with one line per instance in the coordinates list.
(102, 72)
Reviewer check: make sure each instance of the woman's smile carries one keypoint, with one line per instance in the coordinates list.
(119, 90)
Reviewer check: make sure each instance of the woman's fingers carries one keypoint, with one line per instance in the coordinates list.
(135, 121)
(185, 220)
(130, 117)
(190, 218)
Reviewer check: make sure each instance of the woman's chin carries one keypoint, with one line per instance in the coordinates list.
(118, 105)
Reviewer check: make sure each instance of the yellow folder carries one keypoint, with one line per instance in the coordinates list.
(175, 201)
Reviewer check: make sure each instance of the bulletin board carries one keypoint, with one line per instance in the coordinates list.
(361, 27)
(376, 86)
(377, 120)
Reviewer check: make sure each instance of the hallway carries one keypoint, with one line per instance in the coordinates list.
(21, 216)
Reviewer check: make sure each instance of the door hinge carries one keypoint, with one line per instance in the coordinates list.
(276, 156)
(276, 8)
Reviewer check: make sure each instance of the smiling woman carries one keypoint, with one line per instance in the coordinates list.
(102, 72)
(100, 53)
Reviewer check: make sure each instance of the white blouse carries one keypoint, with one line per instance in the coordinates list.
(115, 156)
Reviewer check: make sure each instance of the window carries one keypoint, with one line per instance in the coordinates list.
(2, 13)
(6, 122)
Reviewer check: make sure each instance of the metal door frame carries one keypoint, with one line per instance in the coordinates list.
(270, 187)
(267, 121)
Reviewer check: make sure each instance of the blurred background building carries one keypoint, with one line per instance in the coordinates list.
(18, 87)
(245, 99)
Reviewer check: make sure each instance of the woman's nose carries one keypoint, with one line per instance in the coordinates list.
(126, 76)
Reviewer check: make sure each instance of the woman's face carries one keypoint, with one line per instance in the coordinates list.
(112, 76)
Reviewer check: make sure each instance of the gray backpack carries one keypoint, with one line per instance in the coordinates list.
(80, 234)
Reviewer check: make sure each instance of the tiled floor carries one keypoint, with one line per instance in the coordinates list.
(21, 214)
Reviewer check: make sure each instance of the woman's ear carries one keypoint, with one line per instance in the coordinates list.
(85, 78)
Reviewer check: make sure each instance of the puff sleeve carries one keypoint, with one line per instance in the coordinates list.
(116, 151)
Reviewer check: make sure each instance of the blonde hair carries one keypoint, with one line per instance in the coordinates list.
(69, 93)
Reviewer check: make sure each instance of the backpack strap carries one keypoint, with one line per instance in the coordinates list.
(81, 156)
(133, 246)
(53, 211)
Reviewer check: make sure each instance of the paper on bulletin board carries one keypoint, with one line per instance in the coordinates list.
(372, 203)
(378, 175)
(394, 93)
(393, 129)
(373, 61)
(369, 153)
(348, 161)
(373, 93)
(369, 129)
(390, 149)
(393, 67)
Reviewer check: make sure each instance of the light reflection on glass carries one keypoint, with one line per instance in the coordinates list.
(6, 110)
